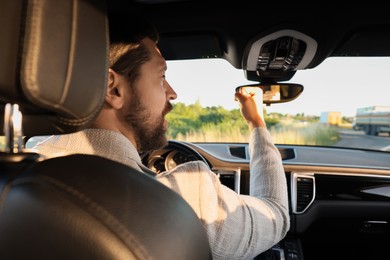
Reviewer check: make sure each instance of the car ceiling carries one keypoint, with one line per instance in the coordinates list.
(208, 29)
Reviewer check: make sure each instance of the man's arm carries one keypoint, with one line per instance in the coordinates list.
(238, 226)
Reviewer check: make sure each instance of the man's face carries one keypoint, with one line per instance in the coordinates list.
(149, 102)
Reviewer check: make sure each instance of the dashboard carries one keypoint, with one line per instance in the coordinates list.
(339, 198)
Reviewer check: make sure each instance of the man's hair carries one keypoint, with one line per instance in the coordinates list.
(127, 53)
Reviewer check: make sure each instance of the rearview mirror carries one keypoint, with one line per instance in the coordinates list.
(274, 93)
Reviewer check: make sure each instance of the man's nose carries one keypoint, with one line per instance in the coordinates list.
(171, 94)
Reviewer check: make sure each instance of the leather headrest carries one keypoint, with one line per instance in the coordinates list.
(54, 62)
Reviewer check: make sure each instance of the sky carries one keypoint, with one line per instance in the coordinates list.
(213, 82)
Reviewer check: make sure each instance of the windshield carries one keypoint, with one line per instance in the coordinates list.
(345, 103)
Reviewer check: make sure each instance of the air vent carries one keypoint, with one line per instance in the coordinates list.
(303, 192)
(238, 151)
(230, 177)
(287, 153)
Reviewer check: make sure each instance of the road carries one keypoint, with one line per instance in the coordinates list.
(357, 139)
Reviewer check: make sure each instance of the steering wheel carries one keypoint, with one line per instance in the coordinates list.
(172, 155)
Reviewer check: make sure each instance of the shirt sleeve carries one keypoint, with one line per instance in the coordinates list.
(238, 226)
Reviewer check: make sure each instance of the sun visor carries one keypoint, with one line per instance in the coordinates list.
(189, 46)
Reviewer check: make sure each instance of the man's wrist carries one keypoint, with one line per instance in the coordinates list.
(258, 123)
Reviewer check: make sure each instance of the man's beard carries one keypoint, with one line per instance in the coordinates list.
(149, 132)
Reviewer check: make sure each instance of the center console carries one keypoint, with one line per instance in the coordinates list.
(287, 249)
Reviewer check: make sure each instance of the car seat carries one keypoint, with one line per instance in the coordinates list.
(53, 69)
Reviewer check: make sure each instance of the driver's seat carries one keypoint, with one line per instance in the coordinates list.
(53, 63)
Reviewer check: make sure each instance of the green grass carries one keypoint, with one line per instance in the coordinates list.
(286, 132)
(227, 131)
(214, 135)
(305, 134)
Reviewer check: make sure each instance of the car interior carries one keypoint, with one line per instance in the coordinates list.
(54, 54)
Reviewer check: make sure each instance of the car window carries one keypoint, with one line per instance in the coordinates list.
(325, 114)
(344, 104)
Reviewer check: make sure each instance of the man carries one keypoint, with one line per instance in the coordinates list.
(132, 120)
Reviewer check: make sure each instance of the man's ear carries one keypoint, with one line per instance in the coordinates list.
(114, 92)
